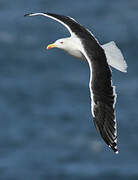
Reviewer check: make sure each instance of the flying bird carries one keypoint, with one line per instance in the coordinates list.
(83, 45)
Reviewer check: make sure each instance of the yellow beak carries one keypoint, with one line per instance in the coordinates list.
(50, 46)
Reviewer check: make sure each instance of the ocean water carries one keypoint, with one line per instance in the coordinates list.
(46, 127)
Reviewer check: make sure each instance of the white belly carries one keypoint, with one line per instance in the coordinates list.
(73, 47)
(76, 54)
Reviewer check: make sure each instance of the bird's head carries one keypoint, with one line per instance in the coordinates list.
(60, 43)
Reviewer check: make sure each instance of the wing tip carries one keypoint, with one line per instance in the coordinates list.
(34, 14)
(114, 148)
(28, 14)
(117, 152)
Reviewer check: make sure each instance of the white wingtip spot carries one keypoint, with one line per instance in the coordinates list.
(117, 152)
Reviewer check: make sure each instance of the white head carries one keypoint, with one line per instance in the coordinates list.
(64, 44)
(71, 45)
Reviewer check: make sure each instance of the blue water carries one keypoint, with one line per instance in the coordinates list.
(46, 127)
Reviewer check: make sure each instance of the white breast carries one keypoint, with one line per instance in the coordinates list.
(76, 54)
(73, 47)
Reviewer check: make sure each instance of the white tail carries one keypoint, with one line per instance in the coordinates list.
(114, 56)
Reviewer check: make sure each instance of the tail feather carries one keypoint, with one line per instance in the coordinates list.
(114, 56)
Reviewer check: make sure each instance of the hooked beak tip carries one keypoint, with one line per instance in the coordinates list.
(50, 46)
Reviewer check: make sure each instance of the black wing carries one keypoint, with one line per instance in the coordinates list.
(72, 25)
(102, 94)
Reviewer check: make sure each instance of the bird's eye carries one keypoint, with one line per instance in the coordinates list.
(61, 42)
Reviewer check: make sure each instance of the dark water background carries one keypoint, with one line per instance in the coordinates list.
(46, 127)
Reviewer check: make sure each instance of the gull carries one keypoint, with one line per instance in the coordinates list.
(83, 45)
